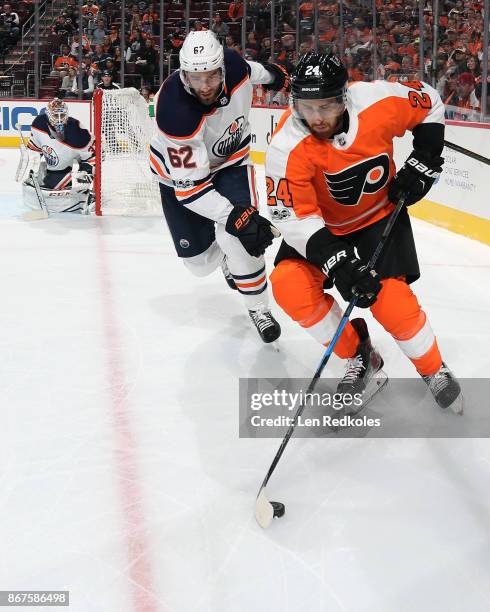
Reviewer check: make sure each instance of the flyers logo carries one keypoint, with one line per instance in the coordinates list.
(369, 176)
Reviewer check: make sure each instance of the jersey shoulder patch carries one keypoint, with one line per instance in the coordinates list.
(236, 69)
(178, 113)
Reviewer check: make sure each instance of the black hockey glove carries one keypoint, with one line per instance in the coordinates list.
(343, 268)
(416, 177)
(253, 231)
(281, 77)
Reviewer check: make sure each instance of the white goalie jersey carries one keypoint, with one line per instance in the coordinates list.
(61, 154)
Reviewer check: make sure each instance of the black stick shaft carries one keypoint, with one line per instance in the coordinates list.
(333, 342)
(477, 156)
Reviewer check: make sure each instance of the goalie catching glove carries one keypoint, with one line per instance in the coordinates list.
(281, 77)
(253, 231)
(415, 179)
(338, 261)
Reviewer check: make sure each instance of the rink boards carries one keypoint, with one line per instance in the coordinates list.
(458, 202)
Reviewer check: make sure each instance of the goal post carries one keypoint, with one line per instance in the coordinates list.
(123, 128)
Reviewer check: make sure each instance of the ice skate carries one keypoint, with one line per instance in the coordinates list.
(363, 372)
(227, 274)
(268, 328)
(445, 389)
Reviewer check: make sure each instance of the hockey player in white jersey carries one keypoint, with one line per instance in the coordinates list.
(65, 164)
(200, 156)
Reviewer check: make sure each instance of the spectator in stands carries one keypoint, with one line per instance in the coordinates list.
(12, 22)
(107, 82)
(134, 46)
(229, 41)
(75, 44)
(114, 36)
(473, 66)
(67, 83)
(306, 13)
(219, 27)
(64, 62)
(85, 82)
(117, 63)
(465, 92)
(107, 46)
(176, 40)
(252, 46)
(62, 28)
(110, 67)
(235, 11)
(146, 93)
(99, 33)
(265, 51)
(136, 20)
(150, 26)
(446, 86)
(147, 62)
(99, 57)
(89, 12)
(287, 55)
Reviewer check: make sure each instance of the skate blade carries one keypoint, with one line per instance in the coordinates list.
(376, 384)
(457, 406)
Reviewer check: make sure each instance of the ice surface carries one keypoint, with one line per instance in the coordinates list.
(123, 477)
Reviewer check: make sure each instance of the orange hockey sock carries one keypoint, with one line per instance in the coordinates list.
(298, 289)
(399, 312)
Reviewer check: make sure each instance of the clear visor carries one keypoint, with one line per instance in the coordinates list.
(318, 109)
(197, 80)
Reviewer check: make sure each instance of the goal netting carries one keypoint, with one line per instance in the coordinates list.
(124, 184)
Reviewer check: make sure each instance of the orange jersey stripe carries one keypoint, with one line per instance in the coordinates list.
(157, 166)
(185, 194)
(245, 285)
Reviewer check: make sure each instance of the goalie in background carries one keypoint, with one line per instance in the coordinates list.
(65, 162)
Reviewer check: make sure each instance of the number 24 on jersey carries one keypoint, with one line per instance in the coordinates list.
(279, 195)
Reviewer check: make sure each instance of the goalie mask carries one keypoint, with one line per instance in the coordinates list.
(202, 53)
(319, 91)
(57, 113)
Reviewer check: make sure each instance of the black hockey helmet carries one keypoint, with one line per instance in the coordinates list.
(318, 76)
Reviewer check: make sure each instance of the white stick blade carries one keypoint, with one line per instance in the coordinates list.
(264, 512)
(35, 215)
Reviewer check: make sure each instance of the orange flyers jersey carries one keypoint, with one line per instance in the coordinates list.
(343, 183)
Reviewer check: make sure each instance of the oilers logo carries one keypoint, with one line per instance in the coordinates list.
(228, 143)
(50, 155)
(369, 176)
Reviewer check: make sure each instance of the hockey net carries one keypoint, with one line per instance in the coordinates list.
(124, 184)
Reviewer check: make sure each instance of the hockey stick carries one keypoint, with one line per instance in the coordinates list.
(24, 156)
(264, 509)
(37, 215)
(32, 215)
(477, 156)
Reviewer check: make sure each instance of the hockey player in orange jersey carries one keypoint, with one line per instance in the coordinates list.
(331, 185)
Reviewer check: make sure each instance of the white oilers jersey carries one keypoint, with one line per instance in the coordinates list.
(60, 154)
(195, 141)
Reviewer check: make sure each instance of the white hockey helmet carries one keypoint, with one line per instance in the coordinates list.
(201, 52)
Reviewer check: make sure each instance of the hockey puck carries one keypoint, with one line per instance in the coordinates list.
(279, 509)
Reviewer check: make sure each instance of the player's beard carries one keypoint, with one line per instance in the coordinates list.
(325, 131)
(209, 98)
